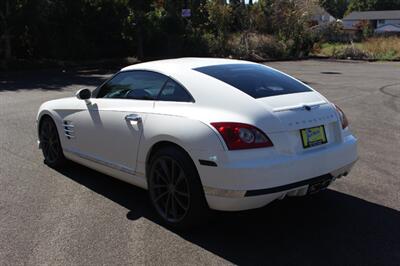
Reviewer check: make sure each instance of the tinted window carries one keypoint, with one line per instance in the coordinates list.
(256, 80)
(172, 91)
(141, 85)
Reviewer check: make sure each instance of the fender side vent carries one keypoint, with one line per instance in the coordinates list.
(68, 129)
(208, 163)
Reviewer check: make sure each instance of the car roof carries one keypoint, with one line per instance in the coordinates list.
(206, 90)
(209, 93)
(171, 66)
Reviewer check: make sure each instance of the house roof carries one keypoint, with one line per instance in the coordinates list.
(373, 15)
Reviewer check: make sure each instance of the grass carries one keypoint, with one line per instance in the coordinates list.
(377, 48)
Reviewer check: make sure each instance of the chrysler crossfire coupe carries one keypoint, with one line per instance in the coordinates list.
(201, 134)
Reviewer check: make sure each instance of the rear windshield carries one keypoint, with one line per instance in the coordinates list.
(256, 80)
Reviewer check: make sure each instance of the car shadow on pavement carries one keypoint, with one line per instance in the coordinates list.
(51, 79)
(329, 228)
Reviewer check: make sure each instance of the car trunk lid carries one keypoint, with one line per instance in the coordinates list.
(296, 112)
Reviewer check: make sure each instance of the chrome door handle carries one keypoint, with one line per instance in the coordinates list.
(133, 117)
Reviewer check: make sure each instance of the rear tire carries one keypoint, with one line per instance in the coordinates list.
(50, 143)
(175, 189)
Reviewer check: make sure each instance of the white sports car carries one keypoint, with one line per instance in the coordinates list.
(201, 133)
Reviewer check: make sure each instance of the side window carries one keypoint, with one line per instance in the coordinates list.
(140, 85)
(172, 91)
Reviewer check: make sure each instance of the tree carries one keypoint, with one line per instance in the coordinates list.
(240, 15)
(9, 15)
(367, 5)
(387, 5)
(336, 8)
(5, 37)
(136, 19)
(361, 5)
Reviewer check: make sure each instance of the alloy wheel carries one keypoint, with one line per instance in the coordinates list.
(169, 189)
(49, 141)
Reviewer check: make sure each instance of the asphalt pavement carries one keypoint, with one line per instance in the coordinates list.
(77, 216)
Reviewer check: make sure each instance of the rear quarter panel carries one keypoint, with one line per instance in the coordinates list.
(194, 136)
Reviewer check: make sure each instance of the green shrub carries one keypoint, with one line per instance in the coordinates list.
(350, 52)
(255, 46)
(377, 48)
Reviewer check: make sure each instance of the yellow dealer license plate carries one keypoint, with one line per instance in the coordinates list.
(313, 136)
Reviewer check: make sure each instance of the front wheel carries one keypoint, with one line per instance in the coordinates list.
(50, 143)
(175, 189)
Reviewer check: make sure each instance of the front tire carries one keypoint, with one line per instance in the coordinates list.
(50, 143)
(175, 189)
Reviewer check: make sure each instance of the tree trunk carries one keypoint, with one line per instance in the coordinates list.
(139, 39)
(6, 34)
(7, 45)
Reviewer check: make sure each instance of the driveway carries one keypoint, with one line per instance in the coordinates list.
(81, 217)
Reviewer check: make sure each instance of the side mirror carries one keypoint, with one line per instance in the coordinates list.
(83, 94)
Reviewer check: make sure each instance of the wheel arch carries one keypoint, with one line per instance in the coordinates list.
(54, 117)
(162, 144)
(196, 203)
(40, 119)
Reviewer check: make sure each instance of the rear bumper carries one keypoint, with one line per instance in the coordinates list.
(255, 183)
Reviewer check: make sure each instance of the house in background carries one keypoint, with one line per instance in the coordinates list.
(380, 21)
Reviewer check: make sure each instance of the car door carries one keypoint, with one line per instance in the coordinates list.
(109, 130)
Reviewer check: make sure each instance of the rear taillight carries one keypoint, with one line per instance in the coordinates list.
(342, 116)
(239, 136)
